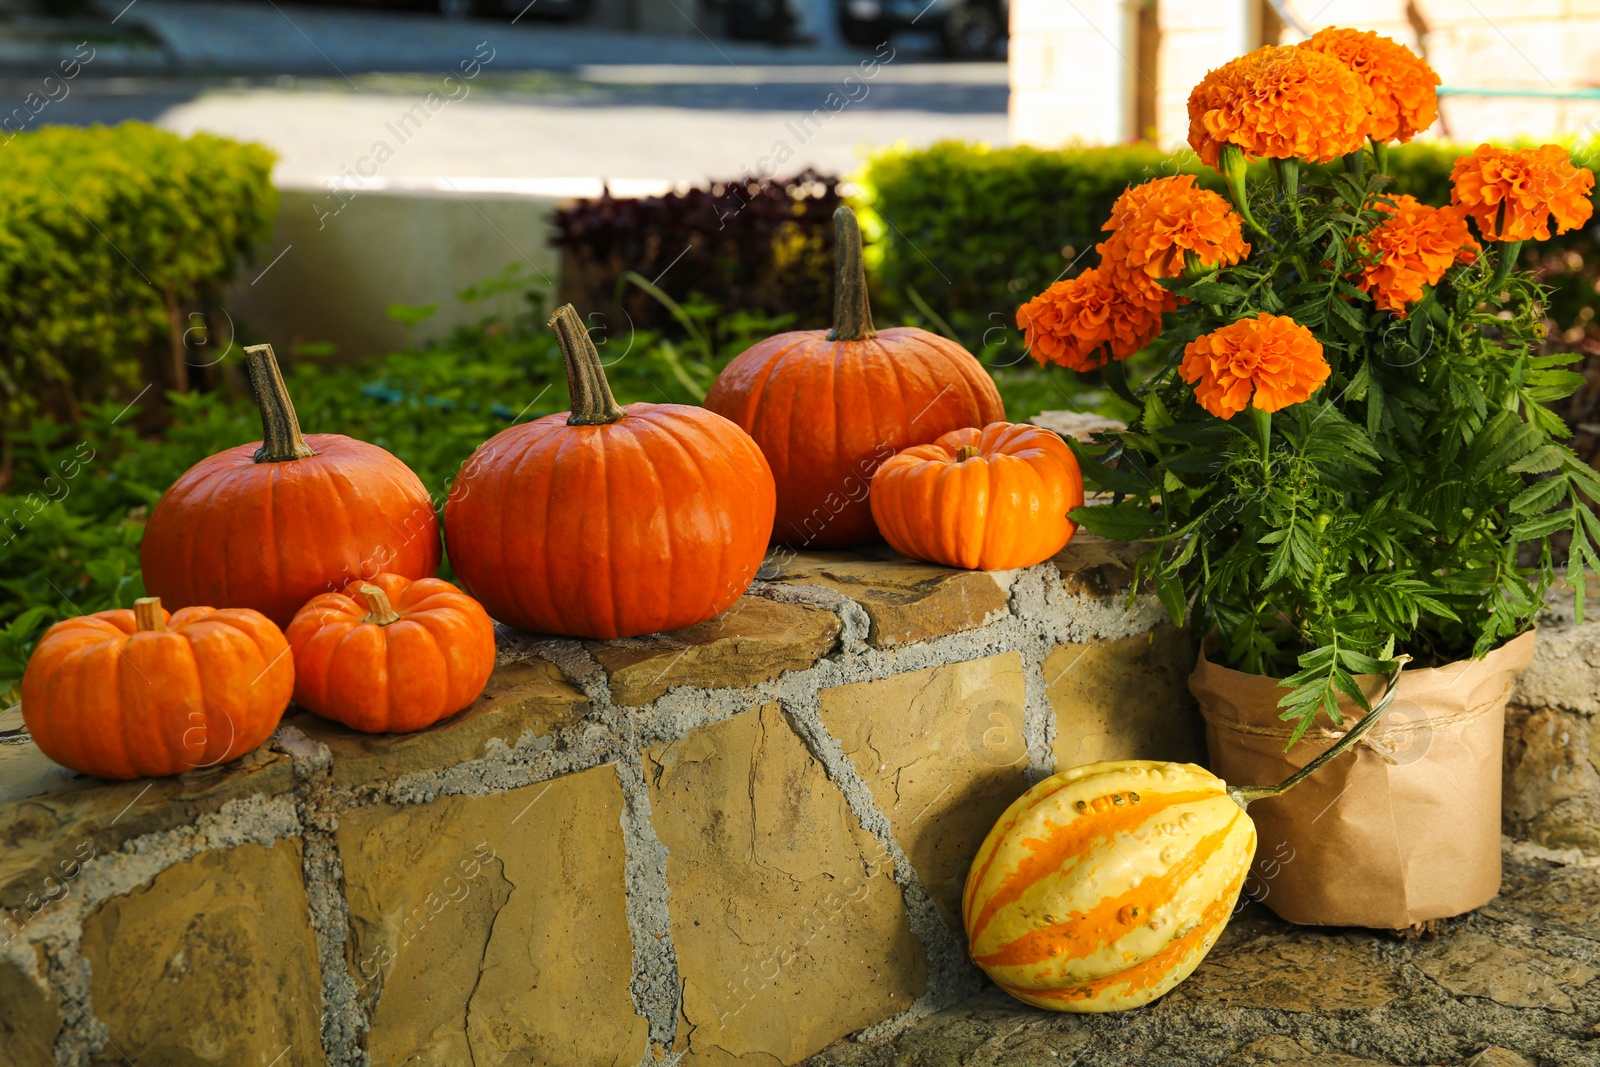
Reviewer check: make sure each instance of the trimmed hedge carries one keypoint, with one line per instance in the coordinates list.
(971, 232)
(109, 238)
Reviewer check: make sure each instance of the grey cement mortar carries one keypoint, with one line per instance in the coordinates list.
(1040, 615)
(655, 986)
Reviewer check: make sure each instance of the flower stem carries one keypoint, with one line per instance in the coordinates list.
(1244, 795)
(1231, 165)
(1380, 155)
(1263, 423)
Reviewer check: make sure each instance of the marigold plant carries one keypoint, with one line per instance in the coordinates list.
(1267, 362)
(1159, 227)
(1345, 454)
(1405, 99)
(1280, 102)
(1410, 250)
(1082, 322)
(1512, 194)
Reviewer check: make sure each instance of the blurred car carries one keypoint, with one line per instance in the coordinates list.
(969, 29)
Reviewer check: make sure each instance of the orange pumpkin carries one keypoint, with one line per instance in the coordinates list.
(1104, 886)
(828, 406)
(989, 499)
(609, 522)
(391, 655)
(123, 694)
(271, 524)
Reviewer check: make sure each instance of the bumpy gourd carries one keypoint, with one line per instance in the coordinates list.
(1104, 886)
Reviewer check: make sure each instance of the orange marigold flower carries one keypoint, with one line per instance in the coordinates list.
(1073, 321)
(1280, 102)
(1405, 99)
(1410, 249)
(1270, 356)
(1512, 194)
(1153, 225)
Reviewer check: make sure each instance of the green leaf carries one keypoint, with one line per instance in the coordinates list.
(1130, 520)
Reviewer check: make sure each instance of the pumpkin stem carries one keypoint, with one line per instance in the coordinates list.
(1244, 795)
(966, 452)
(852, 315)
(147, 614)
(379, 610)
(592, 402)
(281, 439)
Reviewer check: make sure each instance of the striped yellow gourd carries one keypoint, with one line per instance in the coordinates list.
(1104, 886)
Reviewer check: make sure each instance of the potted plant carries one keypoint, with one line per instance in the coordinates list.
(1344, 457)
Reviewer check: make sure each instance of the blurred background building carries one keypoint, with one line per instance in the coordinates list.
(1111, 71)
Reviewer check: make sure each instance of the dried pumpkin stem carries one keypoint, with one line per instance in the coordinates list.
(147, 614)
(281, 439)
(592, 402)
(852, 314)
(379, 610)
(1246, 794)
(966, 452)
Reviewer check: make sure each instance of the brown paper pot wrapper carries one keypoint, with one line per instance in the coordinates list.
(1403, 828)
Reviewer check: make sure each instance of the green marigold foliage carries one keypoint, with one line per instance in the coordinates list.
(97, 227)
(967, 233)
(1388, 513)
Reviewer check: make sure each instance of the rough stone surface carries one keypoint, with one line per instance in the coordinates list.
(789, 929)
(1094, 566)
(1473, 965)
(1551, 782)
(942, 750)
(1126, 699)
(1317, 1017)
(48, 813)
(906, 601)
(213, 962)
(31, 1016)
(754, 641)
(492, 929)
(1257, 964)
(527, 697)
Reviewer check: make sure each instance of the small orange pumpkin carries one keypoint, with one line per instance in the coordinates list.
(989, 499)
(271, 524)
(124, 694)
(607, 521)
(391, 655)
(828, 406)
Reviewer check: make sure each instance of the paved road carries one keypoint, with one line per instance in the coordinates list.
(547, 102)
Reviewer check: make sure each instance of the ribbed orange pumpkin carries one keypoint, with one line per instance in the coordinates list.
(989, 499)
(124, 694)
(827, 407)
(271, 524)
(391, 655)
(1104, 886)
(610, 522)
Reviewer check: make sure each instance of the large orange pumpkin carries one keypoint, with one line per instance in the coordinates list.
(271, 524)
(1104, 886)
(391, 655)
(123, 694)
(828, 406)
(989, 499)
(609, 522)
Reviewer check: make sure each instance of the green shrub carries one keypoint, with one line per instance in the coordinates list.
(966, 234)
(107, 236)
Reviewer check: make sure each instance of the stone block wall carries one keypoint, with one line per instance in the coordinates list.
(738, 842)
